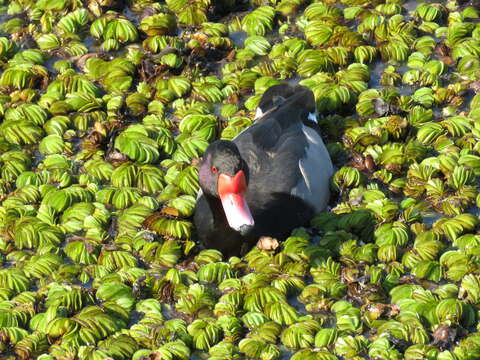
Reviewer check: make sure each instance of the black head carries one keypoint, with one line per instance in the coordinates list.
(224, 174)
(221, 157)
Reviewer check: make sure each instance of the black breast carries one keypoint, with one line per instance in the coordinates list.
(276, 218)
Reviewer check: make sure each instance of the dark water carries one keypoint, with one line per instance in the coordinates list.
(37, 158)
(238, 38)
(89, 42)
(411, 5)
(429, 218)
(285, 353)
(293, 301)
(130, 15)
(294, 80)
(197, 355)
(376, 71)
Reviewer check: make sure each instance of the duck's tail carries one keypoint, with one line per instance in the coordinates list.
(297, 96)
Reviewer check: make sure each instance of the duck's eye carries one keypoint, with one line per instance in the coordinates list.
(214, 170)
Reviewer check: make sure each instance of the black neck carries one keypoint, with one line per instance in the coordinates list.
(216, 208)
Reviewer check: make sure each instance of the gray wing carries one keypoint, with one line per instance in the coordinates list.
(272, 152)
(316, 169)
(285, 155)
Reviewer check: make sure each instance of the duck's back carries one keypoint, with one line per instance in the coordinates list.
(286, 156)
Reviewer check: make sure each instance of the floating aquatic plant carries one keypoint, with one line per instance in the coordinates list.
(106, 108)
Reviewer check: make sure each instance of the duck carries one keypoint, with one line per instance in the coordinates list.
(270, 179)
